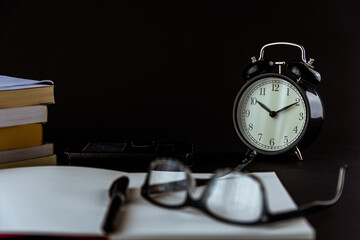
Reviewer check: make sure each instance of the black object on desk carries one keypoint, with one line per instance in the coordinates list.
(134, 155)
(117, 193)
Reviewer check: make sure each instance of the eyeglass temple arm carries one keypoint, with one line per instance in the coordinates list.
(314, 205)
(249, 157)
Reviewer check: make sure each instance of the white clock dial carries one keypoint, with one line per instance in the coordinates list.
(271, 114)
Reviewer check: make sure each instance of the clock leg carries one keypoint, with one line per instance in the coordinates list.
(298, 153)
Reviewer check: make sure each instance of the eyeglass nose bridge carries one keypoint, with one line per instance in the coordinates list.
(198, 200)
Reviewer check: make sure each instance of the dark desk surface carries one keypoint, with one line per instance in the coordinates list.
(315, 178)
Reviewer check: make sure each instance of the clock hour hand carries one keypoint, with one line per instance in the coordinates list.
(271, 113)
(284, 108)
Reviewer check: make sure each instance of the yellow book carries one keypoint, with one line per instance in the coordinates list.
(26, 97)
(22, 136)
(19, 92)
(41, 161)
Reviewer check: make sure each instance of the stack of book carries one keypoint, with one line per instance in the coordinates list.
(23, 111)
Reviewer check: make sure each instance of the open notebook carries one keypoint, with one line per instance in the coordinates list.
(61, 200)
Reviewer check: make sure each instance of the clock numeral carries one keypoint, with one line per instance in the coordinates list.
(250, 127)
(295, 129)
(286, 140)
(301, 116)
(288, 92)
(272, 142)
(262, 91)
(247, 113)
(275, 87)
(253, 100)
(297, 100)
(260, 136)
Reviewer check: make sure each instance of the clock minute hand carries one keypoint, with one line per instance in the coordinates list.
(271, 113)
(284, 108)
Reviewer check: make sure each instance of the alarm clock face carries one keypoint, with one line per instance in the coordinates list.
(271, 114)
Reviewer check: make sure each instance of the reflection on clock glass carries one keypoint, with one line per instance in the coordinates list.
(272, 114)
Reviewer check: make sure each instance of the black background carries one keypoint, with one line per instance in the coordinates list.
(170, 71)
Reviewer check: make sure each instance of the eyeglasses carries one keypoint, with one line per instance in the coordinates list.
(229, 196)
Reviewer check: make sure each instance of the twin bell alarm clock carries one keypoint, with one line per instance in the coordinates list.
(278, 111)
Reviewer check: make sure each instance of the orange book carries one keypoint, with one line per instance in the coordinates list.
(21, 136)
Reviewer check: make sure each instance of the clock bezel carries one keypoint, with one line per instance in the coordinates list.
(237, 122)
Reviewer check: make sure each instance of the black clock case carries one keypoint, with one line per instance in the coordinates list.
(314, 106)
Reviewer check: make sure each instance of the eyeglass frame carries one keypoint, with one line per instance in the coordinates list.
(266, 215)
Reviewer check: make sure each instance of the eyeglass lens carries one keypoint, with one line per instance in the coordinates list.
(167, 184)
(235, 197)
